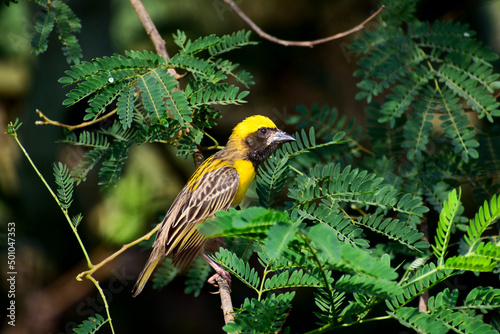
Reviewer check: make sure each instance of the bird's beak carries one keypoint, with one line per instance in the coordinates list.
(280, 137)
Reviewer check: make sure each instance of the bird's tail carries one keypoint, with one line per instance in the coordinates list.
(150, 266)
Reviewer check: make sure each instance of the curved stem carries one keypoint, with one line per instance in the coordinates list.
(152, 32)
(65, 212)
(106, 305)
(310, 44)
(225, 298)
(48, 121)
(115, 254)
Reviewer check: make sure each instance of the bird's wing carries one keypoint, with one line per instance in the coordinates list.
(213, 191)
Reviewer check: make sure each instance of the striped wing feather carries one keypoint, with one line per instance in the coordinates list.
(178, 234)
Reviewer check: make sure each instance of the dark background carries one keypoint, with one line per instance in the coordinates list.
(48, 298)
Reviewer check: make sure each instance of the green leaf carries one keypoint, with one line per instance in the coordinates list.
(485, 217)
(279, 236)
(446, 218)
(43, 27)
(420, 322)
(90, 326)
(253, 223)
(125, 106)
(65, 183)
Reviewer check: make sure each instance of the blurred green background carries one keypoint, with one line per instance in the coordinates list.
(48, 298)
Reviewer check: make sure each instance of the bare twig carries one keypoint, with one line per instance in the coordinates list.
(423, 299)
(115, 254)
(152, 32)
(225, 298)
(310, 44)
(47, 120)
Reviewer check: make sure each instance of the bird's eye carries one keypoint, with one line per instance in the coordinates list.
(263, 131)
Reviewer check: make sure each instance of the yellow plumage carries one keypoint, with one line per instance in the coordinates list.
(219, 182)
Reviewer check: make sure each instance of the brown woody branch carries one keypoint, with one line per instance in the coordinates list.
(152, 32)
(310, 44)
(48, 121)
(225, 298)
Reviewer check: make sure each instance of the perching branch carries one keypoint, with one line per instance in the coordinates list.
(48, 121)
(152, 32)
(310, 44)
(115, 254)
(225, 298)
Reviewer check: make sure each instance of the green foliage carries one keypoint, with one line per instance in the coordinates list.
(150, 104)
(197, 276)
(65, 185)
(485, 217)
(431, 69)
(273, 172)
(445, 314)
(262, 316)
(91, 325)
(414, 283)
(57, 14)
(346, 211)
(420, 322)
(483, 299)
(446, 218)
(12, 127)
(165, 274)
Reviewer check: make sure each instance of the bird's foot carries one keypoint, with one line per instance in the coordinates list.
(219, 272)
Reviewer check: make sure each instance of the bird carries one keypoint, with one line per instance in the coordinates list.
(219, 183)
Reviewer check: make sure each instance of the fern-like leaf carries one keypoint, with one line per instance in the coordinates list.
(292, 278)
(423, 279)
(446, 218)
(332, 185)
(345, 229)
(165, 273)
(261, 316)
(483, 299)
(395, 229)
(367, 285)
(487, 215)
(238, 268)
(347, 258)
(328, 302)
(424, 70)
(445, 299)
(278, 238)
(471, 263)
(234, 41)
(125, 106)
(197, 276)
(420, 322)
(418, 128)
(88, 161)
(111, 169)
(253, 223)
(176, 103)
(67, 25)
(91, 325)
(461, 322)
(65, 183)
(43, 27)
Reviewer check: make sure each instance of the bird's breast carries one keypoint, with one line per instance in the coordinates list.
(246, 172)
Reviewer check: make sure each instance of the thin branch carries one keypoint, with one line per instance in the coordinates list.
(48, 121)
(115, 254)
(225, 298)
(310, 44)
(103, 297)
(150, 27)
(152, 32)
